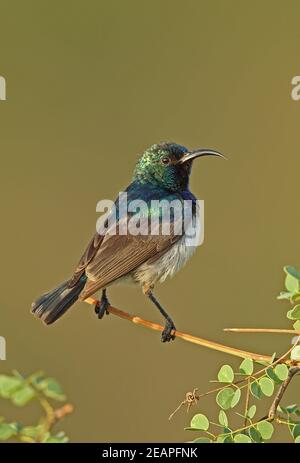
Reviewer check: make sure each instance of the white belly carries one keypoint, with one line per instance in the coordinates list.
(166, 266)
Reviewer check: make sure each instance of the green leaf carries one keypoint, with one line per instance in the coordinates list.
(290, 270)
(32, 431)
(226, 436)
(246, 367)
(254, 434)
(294, 313)
(226, 374)
(296, 325)
(242, 439)
(59, 438)
(265, 429)
(224, 398)
(52, 389)
(200, 421)
(223, 420)
(267, 386)
(296, 431)
(9, 384)
(270, 372)
(255, 390)
(236, 398)
(291, 408)
(23, 395)
(297, 440)
(283, 410)
(227, 430)
(37, 379)
(281, 371)
(251, 412)
(295, 354)
(7, 431)
(291, 283)
(202, 440)
(224, 439)
(295, 297)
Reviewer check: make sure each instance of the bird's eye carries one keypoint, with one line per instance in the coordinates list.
(165, 161)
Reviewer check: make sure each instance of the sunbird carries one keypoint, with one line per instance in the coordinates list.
(161, 173)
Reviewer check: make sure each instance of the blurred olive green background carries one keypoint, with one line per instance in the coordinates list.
(90, 84)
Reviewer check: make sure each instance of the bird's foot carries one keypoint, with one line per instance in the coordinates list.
(167, 334)
(101, 308)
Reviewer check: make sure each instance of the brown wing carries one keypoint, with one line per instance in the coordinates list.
(120, 254)
(88, 255)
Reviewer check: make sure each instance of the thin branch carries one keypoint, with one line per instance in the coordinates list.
(52, 415)
(247, 401)
(186, 337)
(281, 359)
(261, 330)
(273, 409)
(244, 428)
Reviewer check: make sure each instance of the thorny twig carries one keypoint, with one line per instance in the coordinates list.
(246, 379)
(192, 398)
(52, 415)
(283, 387)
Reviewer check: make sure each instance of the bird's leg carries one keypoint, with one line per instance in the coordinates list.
(101, 307)
(167, 334)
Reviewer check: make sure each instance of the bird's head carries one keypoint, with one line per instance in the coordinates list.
(168, 165)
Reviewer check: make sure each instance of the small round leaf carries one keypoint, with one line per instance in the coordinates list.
(291, 283)
(290, 270)
(224, 398)
(265, 429)
(271, 374)
(226, 374)
(296, 431)
(281, 371)
(224, 439)
(199, 421)
(223, 420)
(202, 440)
(236, 398)
(242, 439)
(267, 386)
(256, 390)
(295, 354)
(251, 412)
(294, 313)
(255, 434)
(7, 431)
(246, 367)
(291, 408)
(296, 325)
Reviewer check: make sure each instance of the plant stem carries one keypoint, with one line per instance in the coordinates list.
(186, 337)
(261, 330)
(283, 387)
(247, 401)
(279, 360)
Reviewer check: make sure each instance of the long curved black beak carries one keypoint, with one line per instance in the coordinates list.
(198, 153)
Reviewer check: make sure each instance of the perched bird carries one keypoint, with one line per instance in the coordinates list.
(161, 173)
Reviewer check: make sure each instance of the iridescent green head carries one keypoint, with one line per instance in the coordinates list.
(168, 165)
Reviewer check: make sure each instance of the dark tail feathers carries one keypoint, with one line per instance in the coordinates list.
(52, 305)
